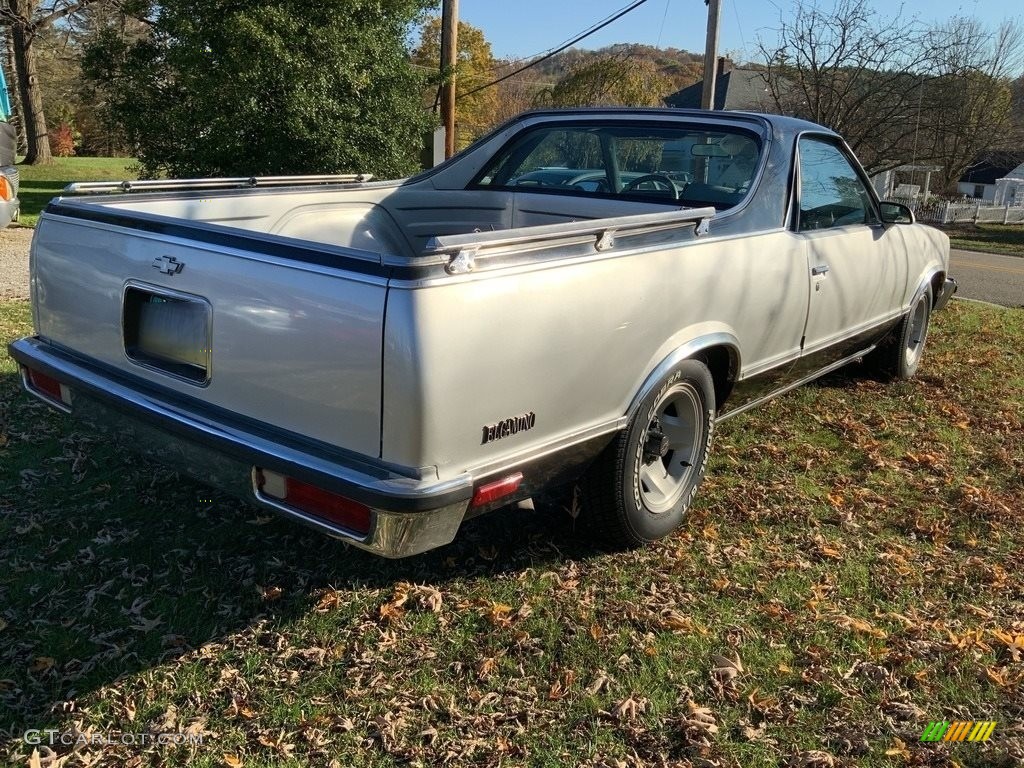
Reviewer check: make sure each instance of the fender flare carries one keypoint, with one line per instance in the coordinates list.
(685, 352)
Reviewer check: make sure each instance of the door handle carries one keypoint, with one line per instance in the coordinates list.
(821, 269)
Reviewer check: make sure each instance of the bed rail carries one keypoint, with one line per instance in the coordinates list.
(181, 185)
(460, 252)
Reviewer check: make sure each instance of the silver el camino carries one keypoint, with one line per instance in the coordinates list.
(579, 297)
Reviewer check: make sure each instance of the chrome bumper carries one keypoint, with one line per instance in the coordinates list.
(945, 294)
(409, 515)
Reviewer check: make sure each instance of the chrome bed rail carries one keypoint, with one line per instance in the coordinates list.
(180, 185)
(460, 252)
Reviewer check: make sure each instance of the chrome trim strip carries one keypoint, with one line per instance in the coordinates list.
(849, 333)
(799, 383)
(923, 286)
(684, 352)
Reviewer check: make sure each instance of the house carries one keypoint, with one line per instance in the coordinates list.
(981, 179)
(1010, 188)
(735, 88)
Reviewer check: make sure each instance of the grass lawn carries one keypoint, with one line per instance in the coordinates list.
(41, 183)
(850, 573)
(1007, 239)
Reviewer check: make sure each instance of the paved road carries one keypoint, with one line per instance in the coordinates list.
(988, 277)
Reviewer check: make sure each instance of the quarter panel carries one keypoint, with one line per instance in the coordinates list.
(571, 342)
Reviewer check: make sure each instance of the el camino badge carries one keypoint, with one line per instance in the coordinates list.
(508, 427)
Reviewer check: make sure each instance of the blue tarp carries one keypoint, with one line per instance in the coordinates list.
(5, 101)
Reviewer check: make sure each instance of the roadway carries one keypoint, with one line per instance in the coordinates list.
(989, 277)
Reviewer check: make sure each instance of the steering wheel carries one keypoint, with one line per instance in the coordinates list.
(660, 181)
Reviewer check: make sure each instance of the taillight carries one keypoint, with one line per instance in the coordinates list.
(316, 501)
(6, 191)
(47, 386)
(498, 489)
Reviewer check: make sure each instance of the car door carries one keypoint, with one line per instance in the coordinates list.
(856, 264)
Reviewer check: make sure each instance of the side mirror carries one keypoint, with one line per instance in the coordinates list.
(896, 213)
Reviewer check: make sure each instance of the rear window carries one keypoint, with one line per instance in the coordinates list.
(688, 165)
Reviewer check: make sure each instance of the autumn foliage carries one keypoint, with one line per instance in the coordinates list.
(63, 141)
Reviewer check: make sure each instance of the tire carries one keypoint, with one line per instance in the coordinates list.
(639, 489)
(899, 356)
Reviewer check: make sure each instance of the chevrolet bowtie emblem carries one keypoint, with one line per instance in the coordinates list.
(168, 265)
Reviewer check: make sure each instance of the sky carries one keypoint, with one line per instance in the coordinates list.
(523, 28)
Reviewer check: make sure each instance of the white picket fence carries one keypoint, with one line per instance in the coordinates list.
(950, 212)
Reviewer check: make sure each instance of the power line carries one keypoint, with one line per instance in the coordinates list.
(661, 31)
(478, 76)
(583, 35)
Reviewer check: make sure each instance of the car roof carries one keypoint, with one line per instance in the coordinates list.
(783, 123)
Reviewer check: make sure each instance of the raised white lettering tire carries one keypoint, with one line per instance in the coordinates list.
(639, 489)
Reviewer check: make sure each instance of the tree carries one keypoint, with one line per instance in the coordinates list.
(475, 67)
(222, 87)
(853, 71)
(967, 106)
(898, 91)
(614, 80)
(27, 19)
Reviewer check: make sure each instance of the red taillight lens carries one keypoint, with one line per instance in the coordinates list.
(47, 385)
(499, 489)
(316, 501)
(6, 191)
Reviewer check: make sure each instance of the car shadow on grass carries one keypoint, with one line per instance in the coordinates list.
(114, 564)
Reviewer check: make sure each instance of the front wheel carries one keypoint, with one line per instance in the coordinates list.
(900, 355)
(639, 488)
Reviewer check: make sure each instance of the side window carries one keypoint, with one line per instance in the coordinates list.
(831, 192)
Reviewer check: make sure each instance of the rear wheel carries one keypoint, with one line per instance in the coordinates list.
(640, 487)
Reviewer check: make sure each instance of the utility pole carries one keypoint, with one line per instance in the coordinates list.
(707, 96)
(449, 57)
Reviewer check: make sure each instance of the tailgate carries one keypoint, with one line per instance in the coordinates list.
(281, 332)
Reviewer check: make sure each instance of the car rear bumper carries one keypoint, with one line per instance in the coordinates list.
(945, 293)
(9, 209)
(409, 515)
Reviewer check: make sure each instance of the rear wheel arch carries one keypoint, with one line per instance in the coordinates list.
(719, 351)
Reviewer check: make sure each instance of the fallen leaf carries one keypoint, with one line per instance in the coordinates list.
(430, 599)
(628, 708)
(42, 663)
(498, 614)
(270, 594)
(232, 761)
(815, 758)
(898, 748)
(725, 670)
